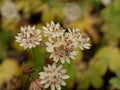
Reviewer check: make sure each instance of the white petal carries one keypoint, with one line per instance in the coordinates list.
(47, 85)
(59, 67)
(58, 87)
(63, 83)
(48, 24)
(67, 60)
(72, 57)
(52, 87)
(86, 47)
(63, 71)
(22, 29)
(88, 44)
(49, 49)
(81, 47)
(45, 28)
(22, 44)
(33, 27)
(43, 81)
(25, 46)
(56, 58)
(53, 66)
(43, 73)
(62, 61)
(74, 53)
(45, 68)
(65, 77)
(41, 77)
(18, 39)
(29, 28)
(52, 23)
(49, 67)
(57, 25)
(51, 55)
(37, 31)
(48, 44)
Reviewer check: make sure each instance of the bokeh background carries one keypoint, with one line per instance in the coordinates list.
(95, 69)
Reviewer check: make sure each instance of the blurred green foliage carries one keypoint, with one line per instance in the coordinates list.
(100, 22)
(5, 41)
(111, 17)
(116, 80)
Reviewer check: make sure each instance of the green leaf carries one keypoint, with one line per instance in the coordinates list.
(109, 57)
(5, 38)
(98, 66)
(89, 77)
(111, 17)
(117, 72)
(71, 71)
(97, 81)
(115, 82)
(114, 59)
(84, 81)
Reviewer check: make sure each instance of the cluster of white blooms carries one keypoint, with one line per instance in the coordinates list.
(8, 10)
(29, 37)
(72, 11)
(62, 45)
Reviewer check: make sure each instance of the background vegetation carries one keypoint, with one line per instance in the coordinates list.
(95, 69)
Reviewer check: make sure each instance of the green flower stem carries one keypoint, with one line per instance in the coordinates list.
(27, 79)
(37, 59)
(34, 53)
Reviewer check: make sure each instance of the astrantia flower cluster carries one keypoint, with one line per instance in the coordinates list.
(61, 44)
(29, 37)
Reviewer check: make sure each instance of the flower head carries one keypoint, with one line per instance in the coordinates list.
(72, 11)
(82, 40)
(8, 10)
(29, 37)
(53, 77)
(61, 48)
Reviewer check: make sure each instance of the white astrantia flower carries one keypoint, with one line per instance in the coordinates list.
(53, 29)
(62, 48)
(29, 37)
(82, 40)
(8, 10)
(53, 77)
(72, 11)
